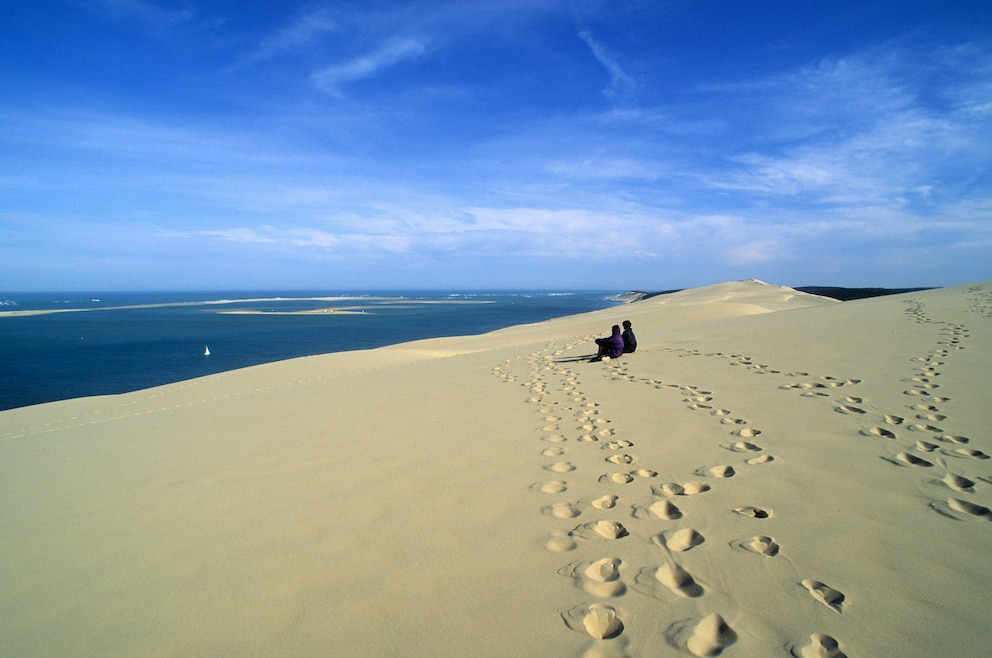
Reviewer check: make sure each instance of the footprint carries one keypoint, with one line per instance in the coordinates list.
(553, 487)
(828, 596)
(677, 579)
(879, 431)
(950, 438)
(560, 467)
(722, 471)
(819, 646)
(849, 409)
(669, 489)
(596, 619)
(913, 460)
(748, 433)
(760, 544)
(970, 453)
(599, 578)
(604, 570)
(553, 452)
(560, 543)
(894, 420)
(680, 540)
(959, 483)
(617, 445)
(742, 446)
(600, 530)
(562, 510)
(762, 459)
(605, 502)
(660, 509)
(621, 459)
(704, 638)
(972, 509)
(919, 427)
(753, 512)
(616, 478)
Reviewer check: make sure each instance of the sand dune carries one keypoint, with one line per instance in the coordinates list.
(772, 473)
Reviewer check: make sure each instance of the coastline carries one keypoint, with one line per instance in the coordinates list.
(769, 470)
(110, 343)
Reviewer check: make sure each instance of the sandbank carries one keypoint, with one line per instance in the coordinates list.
(771, 473)
(369, 302)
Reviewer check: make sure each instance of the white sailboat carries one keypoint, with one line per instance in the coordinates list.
(206, 351)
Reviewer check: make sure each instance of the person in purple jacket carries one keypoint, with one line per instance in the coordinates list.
(611, 346)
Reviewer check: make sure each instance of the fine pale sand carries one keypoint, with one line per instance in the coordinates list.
(772, 473)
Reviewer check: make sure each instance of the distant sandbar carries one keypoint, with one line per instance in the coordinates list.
(375, 301)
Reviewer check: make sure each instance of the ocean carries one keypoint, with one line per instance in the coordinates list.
(60, 346)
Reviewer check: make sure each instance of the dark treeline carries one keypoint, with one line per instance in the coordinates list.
(848, 294)
(834, 292)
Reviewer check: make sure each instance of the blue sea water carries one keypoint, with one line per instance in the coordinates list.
(98, 344)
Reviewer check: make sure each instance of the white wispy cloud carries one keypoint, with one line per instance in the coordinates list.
(244, 235)
(157, 16)
(883, 127)
(306, 29)
(622, 86)
(389, 54)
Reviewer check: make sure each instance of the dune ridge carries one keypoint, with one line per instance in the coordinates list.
(771, 473)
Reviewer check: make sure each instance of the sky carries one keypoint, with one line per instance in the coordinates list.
(493, 144)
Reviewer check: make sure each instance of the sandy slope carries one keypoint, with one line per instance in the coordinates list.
(771, 473)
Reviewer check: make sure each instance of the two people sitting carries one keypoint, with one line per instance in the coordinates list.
(616, 344)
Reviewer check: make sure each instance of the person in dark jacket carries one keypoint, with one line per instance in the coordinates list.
(611, 346)
(629, 340)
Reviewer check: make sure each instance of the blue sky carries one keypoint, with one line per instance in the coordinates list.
(173, 144)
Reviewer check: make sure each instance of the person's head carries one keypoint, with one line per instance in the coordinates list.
(626, 324)
(616, 330)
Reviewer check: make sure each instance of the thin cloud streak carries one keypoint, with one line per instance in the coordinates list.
(150, 14)
(332, 78)
(307, 29)
(622, 86)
